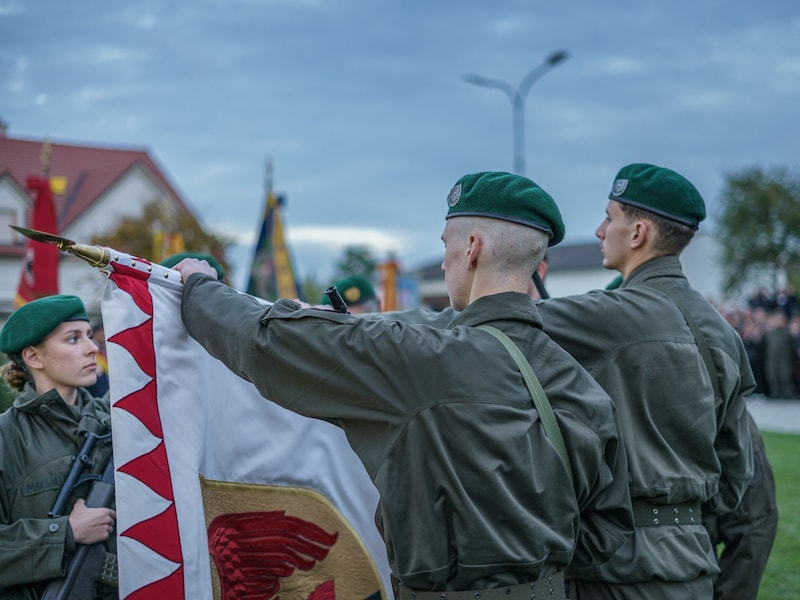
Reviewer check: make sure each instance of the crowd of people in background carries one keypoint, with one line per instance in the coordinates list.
(770, 328)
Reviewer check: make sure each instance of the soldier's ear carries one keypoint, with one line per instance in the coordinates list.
(31, 357)
(474, 249)
(641, 232)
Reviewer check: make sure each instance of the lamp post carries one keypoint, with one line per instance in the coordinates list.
(517, 97)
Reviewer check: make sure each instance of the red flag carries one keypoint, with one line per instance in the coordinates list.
(39, 275)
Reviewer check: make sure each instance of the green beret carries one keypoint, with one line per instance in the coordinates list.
(660, 191)
(507, 197)
(354, 290)
(176, 258)
(32, 322)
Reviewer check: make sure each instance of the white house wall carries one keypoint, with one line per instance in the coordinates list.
(79, 278)
(126, 198)
(13, 204)
(575, 282)
(699, 261)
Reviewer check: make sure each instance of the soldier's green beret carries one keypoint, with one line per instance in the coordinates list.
(354, 290)
(509, 197)
(32, 322)
(660, 191)
(176, 258)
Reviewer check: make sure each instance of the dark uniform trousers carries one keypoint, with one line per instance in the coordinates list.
(748, 532)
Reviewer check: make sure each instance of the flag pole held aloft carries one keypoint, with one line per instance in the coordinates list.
(96, 256)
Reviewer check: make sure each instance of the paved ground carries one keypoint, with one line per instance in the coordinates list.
(781, 416)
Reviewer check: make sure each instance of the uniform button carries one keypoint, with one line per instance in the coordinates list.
(53, 527)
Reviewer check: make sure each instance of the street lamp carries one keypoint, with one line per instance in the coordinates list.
(517, 97)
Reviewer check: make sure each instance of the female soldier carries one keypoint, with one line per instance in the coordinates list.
(49, 342)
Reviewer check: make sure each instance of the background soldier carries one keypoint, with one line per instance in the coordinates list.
(678, 374)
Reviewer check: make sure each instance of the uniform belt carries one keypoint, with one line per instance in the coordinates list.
(648, 514)
(550, 587)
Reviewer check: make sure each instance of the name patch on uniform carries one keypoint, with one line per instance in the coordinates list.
(43, 484)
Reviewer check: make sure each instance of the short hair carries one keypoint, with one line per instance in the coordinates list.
(671, 237)
(517, 246)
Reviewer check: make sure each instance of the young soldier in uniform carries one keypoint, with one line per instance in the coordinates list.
(477, 500)
(678, 375)
(52, 356)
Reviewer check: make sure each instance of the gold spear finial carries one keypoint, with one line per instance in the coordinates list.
(96, 256)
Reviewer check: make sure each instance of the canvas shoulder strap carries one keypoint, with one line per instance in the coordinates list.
(546, 415)
(699, 338)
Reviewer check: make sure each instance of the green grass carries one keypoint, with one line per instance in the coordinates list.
(782, 576)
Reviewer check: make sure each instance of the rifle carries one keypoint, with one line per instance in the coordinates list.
(337, 302)
(537, 281)
(90, 563)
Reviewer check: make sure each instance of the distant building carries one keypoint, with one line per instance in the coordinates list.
(103, 185)
(578, 268)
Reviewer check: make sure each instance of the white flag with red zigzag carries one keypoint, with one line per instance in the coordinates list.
(221, 493)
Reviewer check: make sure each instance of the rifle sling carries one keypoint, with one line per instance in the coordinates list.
(546, 415)
(699, 338)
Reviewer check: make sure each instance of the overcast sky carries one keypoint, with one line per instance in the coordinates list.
(364, 111)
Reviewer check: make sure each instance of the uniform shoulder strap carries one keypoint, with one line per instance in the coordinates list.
(546, 415)
(699, 338)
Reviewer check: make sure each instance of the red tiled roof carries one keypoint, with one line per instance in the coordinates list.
(90, 171)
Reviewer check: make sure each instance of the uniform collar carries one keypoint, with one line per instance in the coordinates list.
(661, 266)
(30, 400)
(506, 306)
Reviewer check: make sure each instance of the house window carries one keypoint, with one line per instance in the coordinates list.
(8, 237)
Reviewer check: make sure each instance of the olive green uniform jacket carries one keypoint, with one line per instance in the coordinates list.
(680, 446)
(473, 493)
(40, 435)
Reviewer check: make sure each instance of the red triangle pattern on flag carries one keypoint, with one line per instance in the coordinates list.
(142, 405)
(159, 533)
(150, 533)
(130, 280)
(139, 337)
(152, 470)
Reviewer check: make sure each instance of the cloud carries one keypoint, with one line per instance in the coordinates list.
(11, 8)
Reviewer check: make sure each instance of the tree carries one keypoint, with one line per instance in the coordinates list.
(356, 260)
(312, 289)
(759, 227)
(147, 236)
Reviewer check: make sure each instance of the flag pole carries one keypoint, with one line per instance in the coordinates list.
(96, 256)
